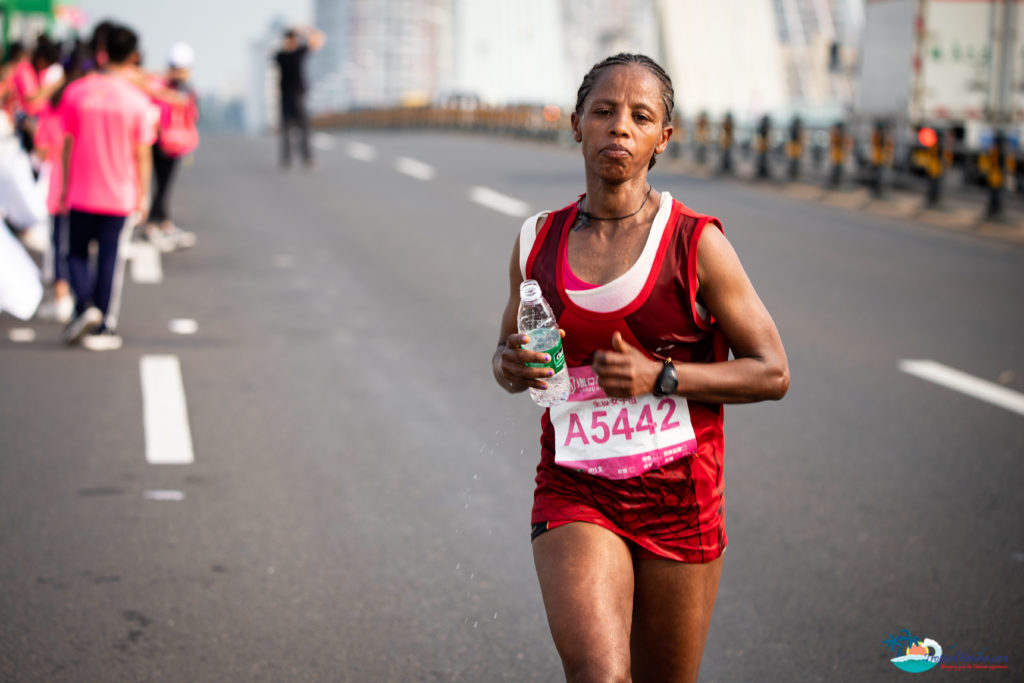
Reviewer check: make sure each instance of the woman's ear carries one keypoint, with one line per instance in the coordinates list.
(666, 135)
(577, 134)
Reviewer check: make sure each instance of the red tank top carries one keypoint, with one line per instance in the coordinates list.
(663, 320)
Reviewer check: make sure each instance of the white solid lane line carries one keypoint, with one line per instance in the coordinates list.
(360, 152)
(970, 385)
(146, 267)
(501, 203)
(414, 168)
(164, 413)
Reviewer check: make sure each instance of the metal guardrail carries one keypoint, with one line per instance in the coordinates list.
(529, 121)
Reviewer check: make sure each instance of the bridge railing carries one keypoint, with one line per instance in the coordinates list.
(542, 122)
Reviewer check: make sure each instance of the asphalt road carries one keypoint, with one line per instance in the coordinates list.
(358, 505)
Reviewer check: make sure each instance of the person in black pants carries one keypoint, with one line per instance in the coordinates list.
(161, 230)
(298, 43)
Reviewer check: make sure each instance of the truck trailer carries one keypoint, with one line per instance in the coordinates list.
(947, 65)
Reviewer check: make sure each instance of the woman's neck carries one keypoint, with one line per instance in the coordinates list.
(618, 199)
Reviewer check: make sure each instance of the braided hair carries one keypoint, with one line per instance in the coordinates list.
(626, 59)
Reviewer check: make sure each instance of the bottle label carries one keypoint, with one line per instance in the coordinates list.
(557, 358)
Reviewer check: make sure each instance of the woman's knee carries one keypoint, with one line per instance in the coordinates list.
(598, 670)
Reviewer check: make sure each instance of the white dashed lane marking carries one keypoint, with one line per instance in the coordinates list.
(21, 335)
(183, 326)
(499, 202)
(322, 141)
(970, 385)
(146, 267)
(360, 151)
(415, 169)
(164, 413)
(164, 495)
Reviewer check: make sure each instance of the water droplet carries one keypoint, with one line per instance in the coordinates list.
(458, 566)
(476, 476)
(471, 576)
(495, 615)
(475, 624)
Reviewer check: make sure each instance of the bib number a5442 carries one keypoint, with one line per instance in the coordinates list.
(618, 438)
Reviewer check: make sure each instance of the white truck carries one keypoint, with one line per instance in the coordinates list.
(944, 64)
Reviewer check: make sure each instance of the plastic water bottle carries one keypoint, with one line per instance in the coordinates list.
(537, 322)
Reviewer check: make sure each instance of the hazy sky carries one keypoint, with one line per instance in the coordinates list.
(218, 30)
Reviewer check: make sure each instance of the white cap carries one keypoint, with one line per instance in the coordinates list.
(181, 56)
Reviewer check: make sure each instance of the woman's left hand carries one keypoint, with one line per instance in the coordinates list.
(625, 371)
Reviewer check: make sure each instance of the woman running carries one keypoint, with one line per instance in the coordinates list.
(628, 517)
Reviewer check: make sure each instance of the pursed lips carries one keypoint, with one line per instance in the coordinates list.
(615, 151)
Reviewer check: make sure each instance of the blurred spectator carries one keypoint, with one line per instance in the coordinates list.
(21, 202)
(21, 206)
(298, 43)
(108, 125)
(177, 136)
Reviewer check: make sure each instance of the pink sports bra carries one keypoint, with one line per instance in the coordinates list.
(573, 283)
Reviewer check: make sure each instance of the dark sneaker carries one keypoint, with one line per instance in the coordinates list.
(84, 324)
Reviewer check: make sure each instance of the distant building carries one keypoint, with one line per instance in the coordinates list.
(819, 40)
(747, 57)
(380, 52)
(507, 53)
(391, 52)
(595, 29)
(723, 56)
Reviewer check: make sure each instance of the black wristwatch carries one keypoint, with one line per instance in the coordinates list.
(667, 380)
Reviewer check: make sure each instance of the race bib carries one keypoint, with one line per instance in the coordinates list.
(618, 438)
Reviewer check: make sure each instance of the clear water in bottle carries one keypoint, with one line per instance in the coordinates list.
(537, 322)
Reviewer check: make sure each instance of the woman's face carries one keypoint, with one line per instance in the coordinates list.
(622, 124)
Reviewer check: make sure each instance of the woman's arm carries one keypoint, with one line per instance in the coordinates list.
(760, 370)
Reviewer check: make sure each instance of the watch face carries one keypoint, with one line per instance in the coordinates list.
(667, 380)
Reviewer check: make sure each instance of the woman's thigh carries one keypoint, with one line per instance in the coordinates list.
(672, 608)
(586, 579)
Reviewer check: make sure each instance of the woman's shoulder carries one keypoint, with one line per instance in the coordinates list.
(538, 220)
(691, 217)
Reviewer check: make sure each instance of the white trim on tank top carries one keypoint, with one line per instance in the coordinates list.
(622, 290)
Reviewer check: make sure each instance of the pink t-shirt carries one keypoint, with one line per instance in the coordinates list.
(26, 85)
(50, 138)
(108, 118)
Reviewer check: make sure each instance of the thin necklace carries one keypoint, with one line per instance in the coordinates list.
(584, 217)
